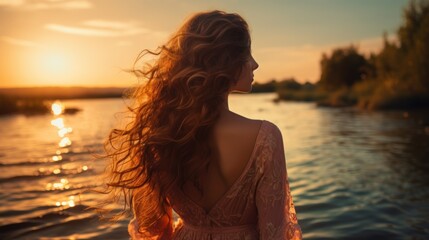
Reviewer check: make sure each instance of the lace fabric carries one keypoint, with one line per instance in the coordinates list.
(259, 204)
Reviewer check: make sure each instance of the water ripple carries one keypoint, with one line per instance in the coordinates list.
(353, 175)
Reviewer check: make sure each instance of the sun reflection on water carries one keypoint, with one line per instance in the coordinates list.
(62, 150)
(63, 169)
(62, 185)
(57, 108)
(68, 203)
(63, 131)
(64, 142)
(58, 122)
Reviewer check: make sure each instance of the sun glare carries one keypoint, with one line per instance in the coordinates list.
(52, 67)
(54, 63)
(57, 108)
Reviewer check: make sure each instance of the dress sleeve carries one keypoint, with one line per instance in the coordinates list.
(276, 212)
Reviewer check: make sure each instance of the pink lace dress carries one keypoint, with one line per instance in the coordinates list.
(258, 206)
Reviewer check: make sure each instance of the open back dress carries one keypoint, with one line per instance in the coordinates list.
(258, 205)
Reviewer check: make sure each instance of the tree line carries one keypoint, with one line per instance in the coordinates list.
(396, 77)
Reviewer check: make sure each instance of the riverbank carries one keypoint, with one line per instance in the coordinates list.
(11, 105)
(367, 95)
(29, 106)
(347, 98)
(63, 92)
(38, 100)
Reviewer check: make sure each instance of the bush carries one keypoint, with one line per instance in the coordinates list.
(7, 105)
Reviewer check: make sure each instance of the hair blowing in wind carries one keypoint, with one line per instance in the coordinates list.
(168, 141)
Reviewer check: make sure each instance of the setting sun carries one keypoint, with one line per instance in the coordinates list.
(54, 64)
(52, 67)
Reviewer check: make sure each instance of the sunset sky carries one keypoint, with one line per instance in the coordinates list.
(90, 42)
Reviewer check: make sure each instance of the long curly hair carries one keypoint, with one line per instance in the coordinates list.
(168, 140)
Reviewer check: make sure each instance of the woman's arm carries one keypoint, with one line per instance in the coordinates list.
(276, 212)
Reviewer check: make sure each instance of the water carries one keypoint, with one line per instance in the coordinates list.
(353, 175)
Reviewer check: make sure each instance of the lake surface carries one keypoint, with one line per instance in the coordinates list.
(353, 175)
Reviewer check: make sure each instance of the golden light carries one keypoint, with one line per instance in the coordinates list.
(58, 122)
(57, 158)
(62, 185)
(57, 108)
(63, 131)
(60, 64)
(64, 142)
(70, 202)
(54, 64)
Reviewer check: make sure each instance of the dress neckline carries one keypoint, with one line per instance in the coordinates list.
(236, 182)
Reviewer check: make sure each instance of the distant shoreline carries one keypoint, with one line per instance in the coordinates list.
(35, 100)
(48, 93)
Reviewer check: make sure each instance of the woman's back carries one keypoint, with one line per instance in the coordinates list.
(233, 140)
(255, 205)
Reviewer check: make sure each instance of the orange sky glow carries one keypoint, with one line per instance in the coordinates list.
(90, 43)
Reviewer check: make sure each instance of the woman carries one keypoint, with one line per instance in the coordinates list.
(184, 150)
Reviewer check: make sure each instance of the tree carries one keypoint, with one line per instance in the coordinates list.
(289, 84)
(343, 68)
(413, 37)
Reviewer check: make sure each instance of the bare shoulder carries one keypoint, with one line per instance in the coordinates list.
(236, 137)
(273, 128)
(235, 124)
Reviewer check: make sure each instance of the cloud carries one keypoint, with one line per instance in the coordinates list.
(47, 4)
(108, 24)
(102, 28)
(18, 42)
(11, 3)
